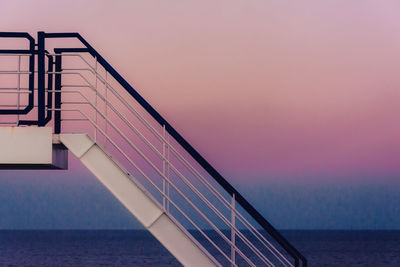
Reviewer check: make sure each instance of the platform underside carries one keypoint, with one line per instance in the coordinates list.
(30, 167)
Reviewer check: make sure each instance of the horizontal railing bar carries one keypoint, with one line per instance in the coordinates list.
(72, 50)
(78, 69)
(15, 72)
(7, 52)
(12, 92)
(73, 102)
(11, 106)
(74, 119)
(74, 85)
(13, 88)
(74, 55)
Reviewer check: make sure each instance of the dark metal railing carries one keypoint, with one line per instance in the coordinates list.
(44, 118)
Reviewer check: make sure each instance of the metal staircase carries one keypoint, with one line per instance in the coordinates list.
(64, 83)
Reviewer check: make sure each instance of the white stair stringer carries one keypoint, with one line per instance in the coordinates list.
(170, 234)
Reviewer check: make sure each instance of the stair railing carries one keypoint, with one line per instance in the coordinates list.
(196, 202)
(162, 138)
(143, 138)
(87, 84)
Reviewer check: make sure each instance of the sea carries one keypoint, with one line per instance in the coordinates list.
(139, 248)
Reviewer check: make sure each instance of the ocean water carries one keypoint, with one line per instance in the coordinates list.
(139, 248)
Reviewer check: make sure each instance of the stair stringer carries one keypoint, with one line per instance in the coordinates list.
(121, 184)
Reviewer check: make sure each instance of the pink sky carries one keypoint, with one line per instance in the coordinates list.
(267, 88)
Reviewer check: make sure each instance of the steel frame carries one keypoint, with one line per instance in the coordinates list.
(44, 118)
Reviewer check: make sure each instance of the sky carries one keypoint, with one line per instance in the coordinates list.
(296, 103)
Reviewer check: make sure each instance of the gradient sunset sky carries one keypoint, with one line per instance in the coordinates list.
(296, 103)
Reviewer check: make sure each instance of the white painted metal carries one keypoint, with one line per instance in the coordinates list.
(162, 156)
(12, 91)
(30, 147)
(99, 163)
(14, 72)
(152, 213)
(168, 170)
(164, 172)
(95, 101)
(106, 110)
(233, 234)
(19, 85)
(177, 241)
(185, 197)
(25, 145)
(18, 90)
(137, 201)
(8, 55)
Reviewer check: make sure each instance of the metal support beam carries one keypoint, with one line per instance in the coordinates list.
(57, 95)
(41, 81)
(30, 52)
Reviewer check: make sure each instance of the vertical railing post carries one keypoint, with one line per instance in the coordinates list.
(19, 87)
(106, 110)
(166, 137)
(32, 74)
(233, 234)
(95, 102)
(41, 80)
(50, 90)
(57, 95)
(166, 170)
(163, 169)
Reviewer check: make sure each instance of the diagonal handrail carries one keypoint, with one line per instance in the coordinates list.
(186, 181)
(290, 249)
(215, 192)
(204, 181)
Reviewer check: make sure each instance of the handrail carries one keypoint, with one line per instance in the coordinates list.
(22, 52)
(187, 182)
(49, 104)
(149, 180)
(204, 181)
(215, 192)
(290, 249)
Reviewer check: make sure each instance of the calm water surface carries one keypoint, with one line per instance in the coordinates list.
(139, 248)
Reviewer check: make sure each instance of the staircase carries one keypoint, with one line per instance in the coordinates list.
(63, 84)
